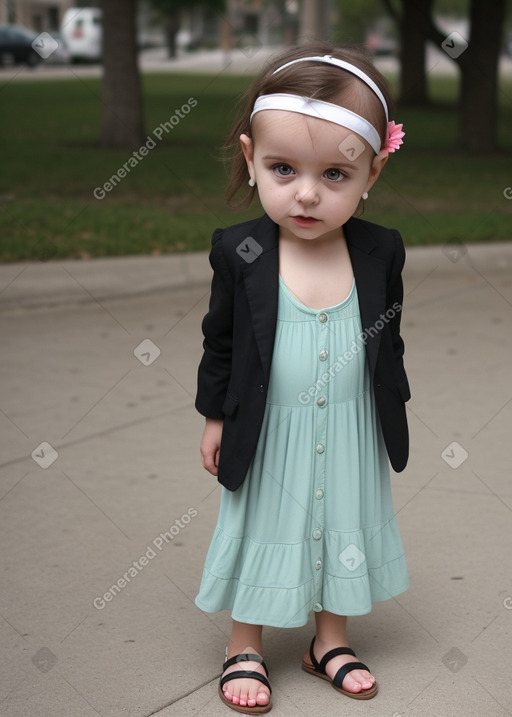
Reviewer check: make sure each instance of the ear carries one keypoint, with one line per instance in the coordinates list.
(376, 168)
(248, 150)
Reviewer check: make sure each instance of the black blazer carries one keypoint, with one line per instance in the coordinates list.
(240, 326)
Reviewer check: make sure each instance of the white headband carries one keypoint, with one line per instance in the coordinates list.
(321, 110)
(330, 60)
(326, 110)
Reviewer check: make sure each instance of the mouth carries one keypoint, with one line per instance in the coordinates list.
(304, 221)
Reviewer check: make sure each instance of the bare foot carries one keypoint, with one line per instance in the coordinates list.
(246, 692)
(355, 681)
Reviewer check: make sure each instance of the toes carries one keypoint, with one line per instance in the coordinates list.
(231, 693)
(246, 699)
(358, 680)
(351, 684)
(258, 696)
(366, 680)
(262, 698)
(240, 695)
(253, 698)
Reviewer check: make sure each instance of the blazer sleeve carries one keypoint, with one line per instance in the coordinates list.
(394, 307)
(217, 326)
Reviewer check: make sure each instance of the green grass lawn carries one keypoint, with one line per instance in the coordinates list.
(173, 199)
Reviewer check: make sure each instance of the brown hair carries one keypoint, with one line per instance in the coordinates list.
(310, 79)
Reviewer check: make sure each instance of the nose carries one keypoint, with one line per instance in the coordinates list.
(307, 193)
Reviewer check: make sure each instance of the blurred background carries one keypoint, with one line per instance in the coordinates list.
(114, 115)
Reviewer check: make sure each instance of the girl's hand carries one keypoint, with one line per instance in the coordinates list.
(210, 445)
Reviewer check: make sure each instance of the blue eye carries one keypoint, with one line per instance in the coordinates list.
(282, 170)
(335, 175)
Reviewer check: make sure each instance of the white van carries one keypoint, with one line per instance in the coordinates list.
(82, 31)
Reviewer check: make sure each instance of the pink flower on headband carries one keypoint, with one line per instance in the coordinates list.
(395, 135)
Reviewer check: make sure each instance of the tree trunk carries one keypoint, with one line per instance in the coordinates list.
(122, 121)
(478, 123)
(478, 105)
(313, 21)
(413, 77)
(172, 25)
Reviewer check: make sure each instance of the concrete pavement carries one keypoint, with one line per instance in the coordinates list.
(106, 513)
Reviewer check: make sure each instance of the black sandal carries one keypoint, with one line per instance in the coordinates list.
(318, 669)
(245, 657)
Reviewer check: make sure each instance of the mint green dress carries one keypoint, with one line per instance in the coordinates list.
(312, 527)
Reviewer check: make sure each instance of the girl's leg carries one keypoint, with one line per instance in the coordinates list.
(331, 632)
(246, 692)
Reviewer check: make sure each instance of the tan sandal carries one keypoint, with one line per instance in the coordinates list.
(245, 657)
(318, 669)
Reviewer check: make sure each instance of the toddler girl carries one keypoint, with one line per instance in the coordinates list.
(302, 380)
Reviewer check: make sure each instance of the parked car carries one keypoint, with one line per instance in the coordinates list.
(381, 45)
(16, 46)
(82, 31)
(61, 54)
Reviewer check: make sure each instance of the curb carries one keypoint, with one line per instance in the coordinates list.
(57, 283)
(36, 284)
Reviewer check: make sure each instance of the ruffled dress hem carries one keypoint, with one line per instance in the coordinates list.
(353, 566)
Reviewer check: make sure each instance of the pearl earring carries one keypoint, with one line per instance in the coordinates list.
(252, 183)
(364, 195)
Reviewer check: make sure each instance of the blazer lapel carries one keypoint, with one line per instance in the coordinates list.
(261, 278)
(370, 278)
